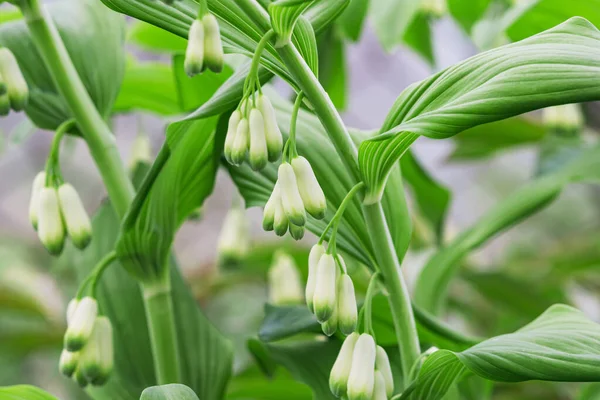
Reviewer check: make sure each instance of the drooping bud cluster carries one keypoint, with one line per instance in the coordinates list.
(14, 92)
(565, 119)
(234, 241)
(88, 344)
(204, 49)
(362, 370)
(285, 286)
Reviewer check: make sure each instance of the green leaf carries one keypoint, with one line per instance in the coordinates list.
(467, 13)
(560, 345)
(283, 322)
(173, 391)
(100, 66)
(555, 67)
(418, 37)
(306, 42)
(284, 14)
(24, 392)
(253, 384)
(332, 67)
(392, 18)
(151, 38)
(352, 20)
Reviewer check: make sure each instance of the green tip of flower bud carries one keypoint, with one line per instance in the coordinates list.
(324, 300)
(272, 132)
(338, 379)
(213, 49)
(258, 156)
(4, 105)
(361, 381)
(234, 241)
(346, 305)
(330, 326)
(290, 196)
(194, 53)
(313, 262)
(297, 232)
(240, 144)
(285, 286)
(18, 92)
(81, 325)
(566, 119)
(68, 363)
(80, 378)
(280, 221)
(76, 219)
(34, 202)
(96, 361)
(310, 191)
(234, 121)
(51, 230)
(382, 365)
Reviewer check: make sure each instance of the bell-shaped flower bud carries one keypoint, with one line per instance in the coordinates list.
(141, 151)
(34, 202)
(309, 188)
(18, 92)
(330, 326)
(51, 230)
(68, 363)
(234, 241)
(313, 262)
(213, 49)
(379, 391)
(240, 144)
(290, 196)
(80, 378)
(324, 300)
(234, 121)
(71, 307)
(338, 379)
(269, 210)
(297, 232)
(81, 325)
(567, 118)
(194, 53)
(96, 361)
(285, 285)
(361, 381)
(258, 142)
(272, 132)
(346, 305)
(75, 217)
(382, 364)
(280, 222)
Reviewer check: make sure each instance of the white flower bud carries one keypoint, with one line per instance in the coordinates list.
(96, 360)
(75, 217)
(309, 188)
(567, 118)
(213, 50)
(297, 232)
(330, 326)
(258, 143)
(285, 285)
(234, 121)
(34, 202)
(338, 379)
(324, 299)
(81, 324)
(269, 210)
(80, 378)
(18, 92)
(194, 53)
(290, 196)
(51, 230)
(141, 151)
(346, 305)
(71, 307)
(382, 364)
(240, 144)
(272, 132)
(362, 374)
(280, 221)
(233, 241)
(68, 363)
(313, 262)
(379, 391)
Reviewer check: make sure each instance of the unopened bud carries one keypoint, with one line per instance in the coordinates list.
(71, 307)
(324, 299)
(382, 364)
(285, 286)
(213, 49)
(234, 121)
(272, 132)
(379, 391)
(313, 263)
(309, 188)
(96, 361)
(269, 210)
(346, 305)
(362, 374)
(80, 378)
(566, 118)
(194, 53)
(330, 326)
(81, 325)
(338, 379)
(34, 202)
(240, 144)
(290, 196)
(141, 151)
(18, 92)
(297, 232)
(280, 222)
(75, 217)
(51, 230)
(258, 143)
(68, 363)
(233, 242)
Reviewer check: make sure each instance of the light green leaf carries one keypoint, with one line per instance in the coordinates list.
(392, 18)
(352, 20)
(467, 12)
(169, 392)
(560, 345)
(306, 42)
(558, 66)
(24, 392)
(284, 14)
(151, 38)
(252, 384)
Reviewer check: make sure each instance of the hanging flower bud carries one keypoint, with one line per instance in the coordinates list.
(297, 232)
(309, 188)
(71, 307)
(80, 378)
(272, 132)
(240, 144)
(213, 50)
(280, 222)
(338, 379)
(234, 121)
(269, 210)
(81, 324)
(34, 202)
(290, 197)
(258, 143)
(379, 391)
(194, 53)
(68, 363)
(566, 118)
(96, 361)
(382, 364)
(285, 286)
(233, 242)
(18, 92)
(324, 300)
(346, 305)
(362, 374)
(313, 262)
(51, 230)
(75, 217)
(330, 326)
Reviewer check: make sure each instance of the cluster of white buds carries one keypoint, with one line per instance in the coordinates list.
(566, 118)
(296, 192)
(330, 293)
(234, 241)
(362, 370)
(54, 213)
(253, 134)
(285, 286)
(204, 48)
(87, 355)
(14, 92)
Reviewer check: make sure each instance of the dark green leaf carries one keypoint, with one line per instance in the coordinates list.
(467, 13)
(352, 20)
(283, 322)
(332, 67)
(24, 392)
(169, 392)
(418, 37)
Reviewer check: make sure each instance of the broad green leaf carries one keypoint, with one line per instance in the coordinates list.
(352, 20)
(253, 384)
(151, 38)
(306, 42)
(284, 15)
(560, 345)
(418, 37)
(173, 391)
(24, 392)
(558, 66)
(332, 67)
(392, 18)
(100, 66)
(468, 12)
(283, 322)
(557, 150)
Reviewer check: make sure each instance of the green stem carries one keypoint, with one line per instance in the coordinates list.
(99, 270)
(253, 74)
(371, 291)
(291, 147)
(53, 173)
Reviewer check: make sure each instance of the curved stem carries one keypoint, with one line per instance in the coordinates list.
(99, 270)
(53, 173)
(371, 291)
